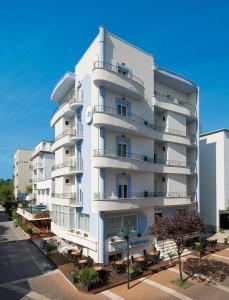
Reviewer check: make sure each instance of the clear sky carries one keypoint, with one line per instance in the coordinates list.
(41, 40)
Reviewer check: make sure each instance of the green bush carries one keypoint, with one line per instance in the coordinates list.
(88, 277)
(226, 241)
(14, 214)
(134, 270)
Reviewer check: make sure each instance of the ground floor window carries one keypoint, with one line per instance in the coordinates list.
(60, 215)
(83, 222)
(118, 223)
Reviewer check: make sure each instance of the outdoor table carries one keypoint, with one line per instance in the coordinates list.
(152, 254)
(82, 261)
(98, 268)
(119, 262)
(140, 259)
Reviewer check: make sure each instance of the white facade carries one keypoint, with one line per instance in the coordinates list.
(214, 178)
(125, 147)
(22, 172)
(42, 162)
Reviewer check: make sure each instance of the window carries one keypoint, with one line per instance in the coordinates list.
(123, 70)
(163, 179)
(122, 149)
(122, 190)
(122, 110)
(83, 222)
(163, 118)
(67, 152)
(163, 148)
(67, 180)
(60, 215)
(117, 223)
(66, 122)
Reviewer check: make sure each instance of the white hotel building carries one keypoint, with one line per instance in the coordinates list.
(126, 147)
(42, 162)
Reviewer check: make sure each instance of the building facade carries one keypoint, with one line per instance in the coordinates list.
(125, 148)
(214, 178)
(42, 162)
(22, 172)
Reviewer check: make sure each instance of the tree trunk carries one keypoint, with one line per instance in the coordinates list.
(180, 269)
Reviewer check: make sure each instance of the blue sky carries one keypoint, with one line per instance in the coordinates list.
(40, 40)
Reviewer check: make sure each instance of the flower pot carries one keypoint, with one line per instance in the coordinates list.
(86, 288)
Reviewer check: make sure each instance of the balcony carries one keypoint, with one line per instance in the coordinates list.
(67, 168)
(65, 138)
(78, 132)
(77, 100)
(116, 244)
(174, 104)
(111, 201)
(138, 162)
(64, 110)
(115, 79)
(75, 199)
(108, 117)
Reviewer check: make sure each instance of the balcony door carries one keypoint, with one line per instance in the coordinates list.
(122, 110)
(123, 187)
(122, 149)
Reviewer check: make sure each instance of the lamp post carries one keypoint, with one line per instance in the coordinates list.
(126, 232)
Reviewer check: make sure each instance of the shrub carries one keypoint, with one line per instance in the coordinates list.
(88, 277)
(225, 240)
(134, 270)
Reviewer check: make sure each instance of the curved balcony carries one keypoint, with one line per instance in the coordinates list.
(124, 83)
(78, 130)
(75, 199)
(167, 102)
(108, 117)
(111, 201)
(109, 159)
(77, 100)
(67, 168)
(65, 138)
(64, 110)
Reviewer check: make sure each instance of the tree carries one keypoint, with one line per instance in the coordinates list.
(7, 193)
(179, 228)
(28, 189)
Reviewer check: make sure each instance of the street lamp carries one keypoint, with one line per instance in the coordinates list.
(125, 233)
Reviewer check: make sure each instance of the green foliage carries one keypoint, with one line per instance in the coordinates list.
(24, 227)
(171, 255)
(226, 241)
(28, 189)
(88, 277)
(14, 214)
(182, 283)
(51, 245)
(134, 270)
(7, 193)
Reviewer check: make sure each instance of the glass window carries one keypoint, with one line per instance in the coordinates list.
(83, 222)
(117, 223)
(122, 149)
(122, 110)
(122, 190)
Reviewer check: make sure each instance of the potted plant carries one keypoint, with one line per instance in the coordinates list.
(225, 241)
(134, 270)
(88, 277)
(171, 260)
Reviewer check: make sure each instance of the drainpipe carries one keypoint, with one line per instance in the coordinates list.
(101, 44)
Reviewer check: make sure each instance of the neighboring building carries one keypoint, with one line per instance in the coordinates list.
(42, 161)
(125, 147)
(214, 178)
(22, 172)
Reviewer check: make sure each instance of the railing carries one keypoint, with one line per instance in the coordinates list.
(78, 129)
(71, 164)
(71, 98)
(136, 118)
(145, 158)
(41, 179)
(174, 100)
(69, 131)
(145, 194)
(78, 200)
(78, 98)
(64, 195)
(117, 69)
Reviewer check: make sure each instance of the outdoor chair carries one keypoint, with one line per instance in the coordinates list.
(90, 262)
